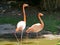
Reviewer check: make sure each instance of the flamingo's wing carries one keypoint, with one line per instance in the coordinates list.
(33, 28)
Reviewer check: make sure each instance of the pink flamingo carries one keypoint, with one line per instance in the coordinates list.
(36, 27)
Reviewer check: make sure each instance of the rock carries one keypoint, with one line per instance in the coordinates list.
(45, 32)
(51, 36)
(6, 29)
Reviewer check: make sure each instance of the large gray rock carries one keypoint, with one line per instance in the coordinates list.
(7, 28)
(46, 32)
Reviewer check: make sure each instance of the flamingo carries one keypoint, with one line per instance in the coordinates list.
(36, 27)
(22, 24)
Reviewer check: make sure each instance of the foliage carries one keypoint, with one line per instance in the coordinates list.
(51, 20)
(47, 5)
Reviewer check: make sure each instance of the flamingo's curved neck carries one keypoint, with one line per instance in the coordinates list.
(42, 23)
(24, 14)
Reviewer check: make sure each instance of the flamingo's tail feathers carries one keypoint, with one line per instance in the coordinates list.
(17, 29)
(29, 30)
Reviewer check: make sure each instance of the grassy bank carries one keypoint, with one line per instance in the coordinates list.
(42, 41)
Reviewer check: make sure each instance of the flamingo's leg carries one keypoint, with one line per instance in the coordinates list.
(21, 35)
(36, 34)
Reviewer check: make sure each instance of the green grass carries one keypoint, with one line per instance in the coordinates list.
(9, 19)
(41, 41)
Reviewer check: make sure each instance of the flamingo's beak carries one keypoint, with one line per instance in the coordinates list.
(42, 15)
(25, 5)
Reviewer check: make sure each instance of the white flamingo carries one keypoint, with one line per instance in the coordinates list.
(22, 24)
